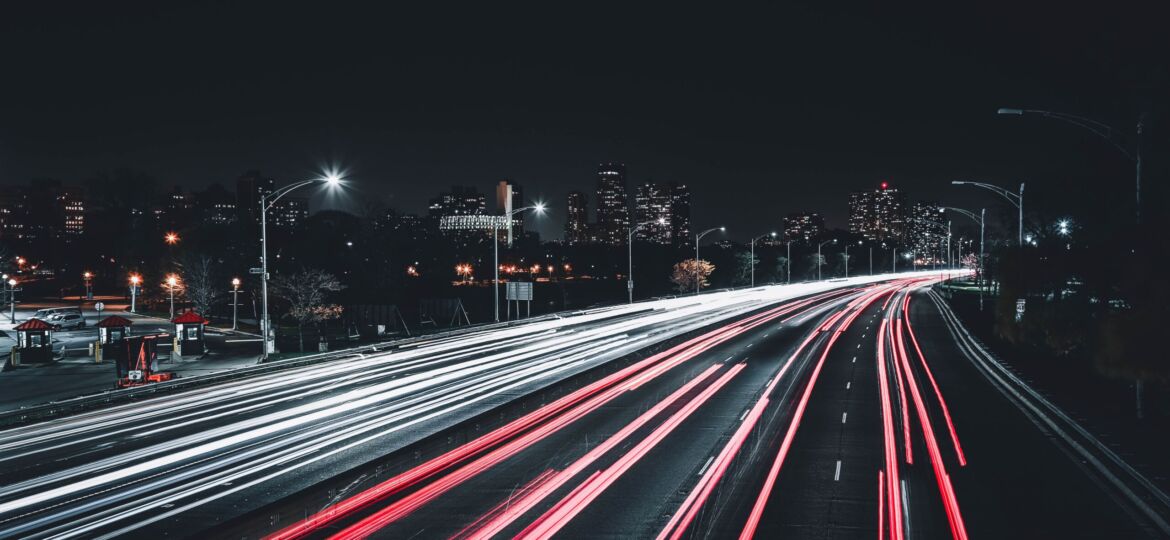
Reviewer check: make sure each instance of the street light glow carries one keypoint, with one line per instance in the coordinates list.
(171, 238)
(172, 280)
(236, 282)
(135, 279)
(538, 207)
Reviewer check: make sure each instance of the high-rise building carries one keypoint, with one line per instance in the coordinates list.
(652, 212)
(288, 212)
(460, 201)
(72, 203)
(927, 231)
(13, 212)
(576, 219)
(216, 206)
(250, 186)
(879, 214)
(613, 209)
(680, 215)
(804, 227)
(509, 197)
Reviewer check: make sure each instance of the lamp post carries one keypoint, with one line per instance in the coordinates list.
(11, 299)
(753, 262)
(539, 209)
(135, 279)
(977, 219)
(847, 258)
(235, 302)
(630, 255)
(87, 277)
(871, 260)
(1017, 200)
(788, 264)
(699, 237)
(819, 259)
(266, 202)
(1133, 152)
(172, 280)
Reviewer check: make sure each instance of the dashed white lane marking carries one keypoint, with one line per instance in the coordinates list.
(750, 344)
(744, 415)
(858, 345)
(854, 359)
(848, 384)
(862, 336)
(712, 458)
(837, 475)
(728, 360)
(844, 415)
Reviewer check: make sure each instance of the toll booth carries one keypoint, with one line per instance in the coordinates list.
(189, 334)
(139, 364)
(34, 342)
(112, 331)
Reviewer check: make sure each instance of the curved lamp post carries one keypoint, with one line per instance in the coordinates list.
(1133, 152)
(266, 202)
(753, 263)
(1017, 200)
(630, 251)
(539, 209)
(699, 237)
(820, 261)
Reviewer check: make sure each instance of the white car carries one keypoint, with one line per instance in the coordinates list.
(67, 321)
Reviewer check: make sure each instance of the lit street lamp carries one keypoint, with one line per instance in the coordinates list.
(820, 260)
(135, 279)
(1017, 200)
(235, 302)
(172, 280)
(630, 254)
(1133, 152)
(753, 262)
(539, 209)
(699, 237)
(171, 238)
(87, 278)
(266, 202)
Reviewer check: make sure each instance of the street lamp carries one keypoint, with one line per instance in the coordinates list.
(235, 302)
(699, 237)
(135, 279)
(539, 209)
(172, 280)
(87, 277)
(847, 258)
(977, 219)
(1133, 152)
(630, 254)
(820, 260)
(171, 238)
(1017, 200)
(331, 179)
(753, 262)
(11, 300)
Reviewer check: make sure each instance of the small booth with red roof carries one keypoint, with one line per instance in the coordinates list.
(112, 331)
(189, 328)
(34, 342)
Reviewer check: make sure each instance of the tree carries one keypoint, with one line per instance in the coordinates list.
(687, 272)
(200, 285)
(783, 269)
(306, 292)
(743, 267)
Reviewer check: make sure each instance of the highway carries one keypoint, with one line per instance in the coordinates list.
(849, 409)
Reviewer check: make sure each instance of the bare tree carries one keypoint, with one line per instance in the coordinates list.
(200, 285)
(744, 261)
(688, 271)
(306, 292)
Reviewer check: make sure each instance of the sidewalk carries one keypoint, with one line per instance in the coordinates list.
(79, 376)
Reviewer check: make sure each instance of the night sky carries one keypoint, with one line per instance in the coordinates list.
(760, 112)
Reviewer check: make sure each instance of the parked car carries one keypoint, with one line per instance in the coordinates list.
(48, 313)
(67, 321)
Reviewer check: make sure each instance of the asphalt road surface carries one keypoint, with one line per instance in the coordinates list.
(855, 409)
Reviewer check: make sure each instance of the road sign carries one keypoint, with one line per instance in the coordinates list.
(1020, 305)
(519, 290)
(255, 270)
(99, 307)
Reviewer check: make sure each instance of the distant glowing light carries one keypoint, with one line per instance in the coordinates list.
(171, 238)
